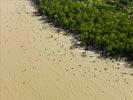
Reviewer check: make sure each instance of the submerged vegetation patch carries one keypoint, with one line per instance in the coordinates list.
(103, 24)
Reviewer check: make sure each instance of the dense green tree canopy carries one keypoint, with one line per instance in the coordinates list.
(105, 24)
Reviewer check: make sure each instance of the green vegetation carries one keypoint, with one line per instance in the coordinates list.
(103, 24)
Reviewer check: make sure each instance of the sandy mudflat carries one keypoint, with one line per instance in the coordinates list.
(38, 64)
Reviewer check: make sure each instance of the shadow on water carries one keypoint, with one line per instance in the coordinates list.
(76, 42)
